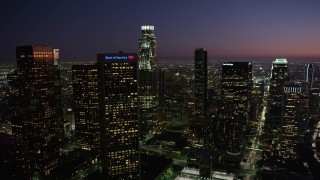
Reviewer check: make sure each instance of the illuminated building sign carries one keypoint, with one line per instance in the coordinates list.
(119, 57)
(147, 27)
(227, 64)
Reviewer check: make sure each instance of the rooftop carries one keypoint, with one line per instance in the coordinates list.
(280, 61)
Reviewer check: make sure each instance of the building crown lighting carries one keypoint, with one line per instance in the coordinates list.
(281, 61)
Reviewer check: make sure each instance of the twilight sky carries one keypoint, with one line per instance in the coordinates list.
(227, 28)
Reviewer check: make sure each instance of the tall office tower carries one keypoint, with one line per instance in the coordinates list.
(118, 115)
(38, 119)
(309, 76)
(176, 100)
(290, 128)
(148, 82)
(200, 81)
(200, 93)
(85, 92)
(279, 75)
(236, 87)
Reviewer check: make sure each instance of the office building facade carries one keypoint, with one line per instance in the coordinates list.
(236, 87)
(85, 92)
(199, 122)
(148, 80)
(118, 115)
(279, 76)
(200, 81)
(290, 125)
(38, 117)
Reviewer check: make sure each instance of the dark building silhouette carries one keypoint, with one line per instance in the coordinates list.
(199, 120)
(37, 117)
(200, 81)
(161, 111)
(236, 87)
(176, 99)
(85, 92)
(118, 115)
(14, 158)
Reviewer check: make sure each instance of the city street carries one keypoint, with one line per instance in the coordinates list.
(253, 153)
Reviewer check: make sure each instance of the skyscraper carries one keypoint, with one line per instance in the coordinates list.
(236, 86)
(148, 55)
(38, 119)
(199, 121)
(85, 92)
(279, 76)
(118, 115)
(290, 129)
(200, 81)
(309, 77)
(148, 81)
(175, 100)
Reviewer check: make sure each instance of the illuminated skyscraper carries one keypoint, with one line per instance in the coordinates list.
(85, 92)
(118, 115)
(279, 76)
(38, 120)
(236, 86)
(290, 129)
(148, 81)
(148, 56)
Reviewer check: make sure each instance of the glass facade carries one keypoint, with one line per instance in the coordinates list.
(290, 125)
(200, 81)
(38, 117)
(200, 96)
(118, 110)
(85, 92)
(148, 49)
(148, 81)
(236, 87)
(279, 76)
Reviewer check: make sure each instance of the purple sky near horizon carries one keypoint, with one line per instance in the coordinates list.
(81, 29)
